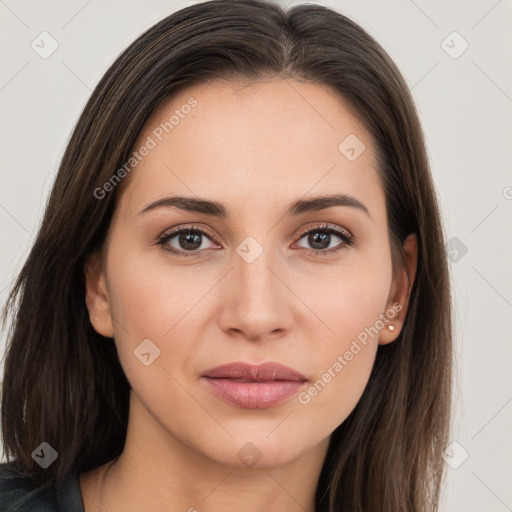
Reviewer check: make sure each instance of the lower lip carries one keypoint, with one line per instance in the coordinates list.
(253, 395)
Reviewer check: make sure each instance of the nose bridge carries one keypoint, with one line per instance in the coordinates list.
(258, 303)
(258, 285)
(252, 269)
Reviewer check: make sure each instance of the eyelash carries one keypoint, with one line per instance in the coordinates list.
(346, 237)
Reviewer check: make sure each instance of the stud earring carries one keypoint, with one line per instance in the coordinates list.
(391, 328)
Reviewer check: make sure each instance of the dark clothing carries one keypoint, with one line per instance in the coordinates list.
(20, 494)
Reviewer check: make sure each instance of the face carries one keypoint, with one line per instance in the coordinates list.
(264, 276)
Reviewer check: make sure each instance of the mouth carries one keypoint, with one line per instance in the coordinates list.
(253, 386)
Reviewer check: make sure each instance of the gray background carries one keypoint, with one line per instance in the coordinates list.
(465, 103)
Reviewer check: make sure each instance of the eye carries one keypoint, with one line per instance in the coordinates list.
(192, 241)
(322, 239)
(186, 241)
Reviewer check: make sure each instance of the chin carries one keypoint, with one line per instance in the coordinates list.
(261, 450)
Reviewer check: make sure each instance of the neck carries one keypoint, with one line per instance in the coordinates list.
(158, 472)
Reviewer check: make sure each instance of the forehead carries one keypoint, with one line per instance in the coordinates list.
(248, 142)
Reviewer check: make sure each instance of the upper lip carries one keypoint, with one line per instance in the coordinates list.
(255, 373)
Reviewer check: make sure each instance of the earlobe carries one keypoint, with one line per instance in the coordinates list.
(390, 331)
(96, 296)
(402, 286)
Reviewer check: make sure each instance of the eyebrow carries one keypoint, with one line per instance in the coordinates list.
(216, 209)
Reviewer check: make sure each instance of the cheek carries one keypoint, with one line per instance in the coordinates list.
(146, 303)
(152, 303)
(330, 399)
(149, 297)
(351, 299)
(353, 310)
(344, 360)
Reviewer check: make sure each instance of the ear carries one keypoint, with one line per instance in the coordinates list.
(96, 296)
(400, 292)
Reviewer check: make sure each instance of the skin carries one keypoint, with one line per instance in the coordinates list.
(256, 149)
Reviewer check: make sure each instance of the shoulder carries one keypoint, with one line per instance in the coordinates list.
(20, 493)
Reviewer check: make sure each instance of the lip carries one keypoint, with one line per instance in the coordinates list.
(253, 386)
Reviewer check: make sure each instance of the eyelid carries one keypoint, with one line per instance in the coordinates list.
(348, 240)
(186, 227)
(164, 237)
(345, 235)
(326, 227)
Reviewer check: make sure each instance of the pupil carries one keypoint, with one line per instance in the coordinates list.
(190, 240)
(319, 240)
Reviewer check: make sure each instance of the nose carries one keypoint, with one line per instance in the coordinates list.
(257, 304)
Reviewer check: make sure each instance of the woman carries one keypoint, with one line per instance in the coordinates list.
(239, 294)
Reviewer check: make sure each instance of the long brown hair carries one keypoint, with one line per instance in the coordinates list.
(63, 382)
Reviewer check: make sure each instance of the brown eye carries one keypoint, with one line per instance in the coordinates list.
(189, 240)
(325, 239)
(186, 241)
(319, 240)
